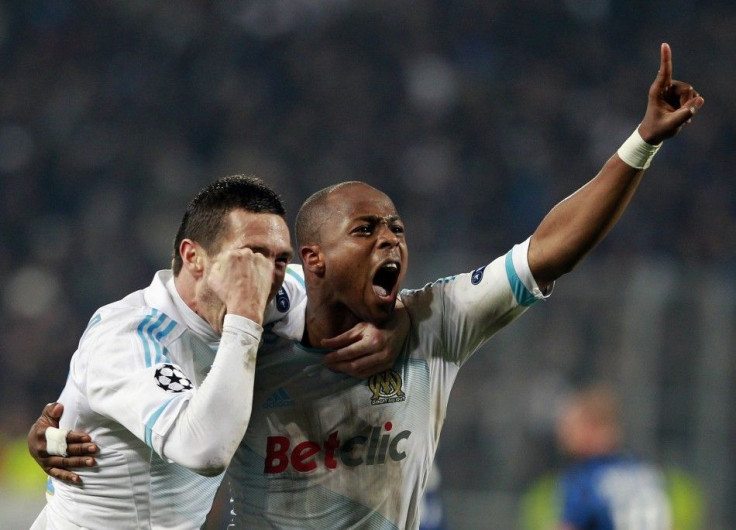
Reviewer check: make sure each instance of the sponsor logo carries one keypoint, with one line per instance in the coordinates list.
(278, 399)
(376, 447)
(477, 275)
(386, 388)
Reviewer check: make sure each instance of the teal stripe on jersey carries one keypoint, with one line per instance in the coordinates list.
(295, 275)
(164, 354)
(141, 327)
(153, 350)
(151, 338)
(521, 293)
(96, 319)
(148, 435)
(161, 334)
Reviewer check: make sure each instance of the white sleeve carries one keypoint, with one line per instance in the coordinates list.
(467, 309)
(197, 428)
(201, 439)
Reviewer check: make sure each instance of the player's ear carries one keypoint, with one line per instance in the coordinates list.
(312, 259)
(192, 256)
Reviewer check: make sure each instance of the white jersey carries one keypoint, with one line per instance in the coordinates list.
(325, 450)
(140, 364)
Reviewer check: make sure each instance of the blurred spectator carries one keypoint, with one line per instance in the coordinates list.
(432, 509)
(605, 487)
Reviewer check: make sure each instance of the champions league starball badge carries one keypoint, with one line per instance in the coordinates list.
(477, 275)
(171, 379)
(282, 301)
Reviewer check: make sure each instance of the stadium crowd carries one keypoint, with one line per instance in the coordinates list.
(112, 114)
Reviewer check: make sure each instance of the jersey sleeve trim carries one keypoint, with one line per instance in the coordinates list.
(148, 435)
(525, 288)
(294, 274)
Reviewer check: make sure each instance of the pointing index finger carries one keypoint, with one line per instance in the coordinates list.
(664, 76)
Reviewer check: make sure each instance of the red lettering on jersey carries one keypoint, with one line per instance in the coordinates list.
(374, 449)
(300, 457)
(331, 445)
(276, 458)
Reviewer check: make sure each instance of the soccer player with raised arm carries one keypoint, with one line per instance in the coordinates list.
(323, 450)
(326, 451)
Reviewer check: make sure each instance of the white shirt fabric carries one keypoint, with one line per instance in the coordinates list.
(153, 384)
(324, 450)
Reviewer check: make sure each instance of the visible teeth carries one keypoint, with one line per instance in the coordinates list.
(391, 266)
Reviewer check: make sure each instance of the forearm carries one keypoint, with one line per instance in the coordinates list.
(578, 223)
(208, 431)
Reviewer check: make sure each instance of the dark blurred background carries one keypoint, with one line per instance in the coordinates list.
(475, 116)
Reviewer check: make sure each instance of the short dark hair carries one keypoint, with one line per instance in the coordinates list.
(314, 213)
(204, 219)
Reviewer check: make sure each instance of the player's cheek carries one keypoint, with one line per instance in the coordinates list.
(279, 274)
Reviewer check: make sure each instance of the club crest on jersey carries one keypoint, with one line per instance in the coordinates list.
(386, 388)
(282, 301)
(172, 379)
(477, 275)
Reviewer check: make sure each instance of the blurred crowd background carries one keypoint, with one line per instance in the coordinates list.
(475, 116)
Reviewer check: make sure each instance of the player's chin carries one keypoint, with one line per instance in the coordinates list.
(382, 309)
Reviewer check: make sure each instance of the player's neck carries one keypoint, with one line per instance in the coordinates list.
(325, 321)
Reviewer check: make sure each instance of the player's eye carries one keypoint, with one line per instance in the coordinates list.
(363, 230)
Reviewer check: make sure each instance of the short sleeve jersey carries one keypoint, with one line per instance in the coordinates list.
(324, 450)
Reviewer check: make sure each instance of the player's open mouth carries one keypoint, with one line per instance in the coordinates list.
(385, 279)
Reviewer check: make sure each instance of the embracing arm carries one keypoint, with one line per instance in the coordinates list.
(362, 351)
(367, 349)
(578, 223)
(209, 424)
(58, 461)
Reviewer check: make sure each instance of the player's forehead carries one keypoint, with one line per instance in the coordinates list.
(265, 230)
(358, 201)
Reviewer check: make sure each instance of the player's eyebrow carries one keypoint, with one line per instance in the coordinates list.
(371, 218)
(267, 251)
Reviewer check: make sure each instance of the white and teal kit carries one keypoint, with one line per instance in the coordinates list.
(153, 384)
(324, 450)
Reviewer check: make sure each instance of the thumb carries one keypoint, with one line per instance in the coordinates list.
(694, 104)
(687, 110)
(53, 411)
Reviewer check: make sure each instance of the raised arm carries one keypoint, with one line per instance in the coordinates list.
(578, 223)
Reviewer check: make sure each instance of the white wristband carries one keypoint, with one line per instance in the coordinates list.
(56, 441)
(636, 152)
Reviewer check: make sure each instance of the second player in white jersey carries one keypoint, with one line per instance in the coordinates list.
(324, 450)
